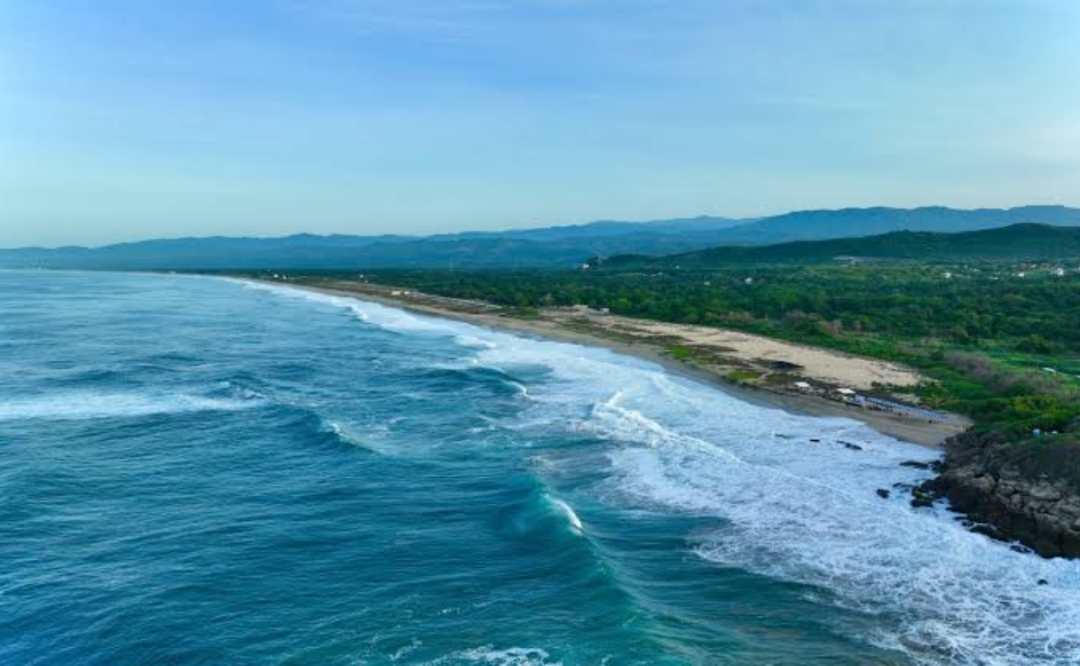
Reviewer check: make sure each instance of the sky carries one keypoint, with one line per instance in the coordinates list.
(122, 119)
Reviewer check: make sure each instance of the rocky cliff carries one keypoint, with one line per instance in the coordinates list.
(983, 478)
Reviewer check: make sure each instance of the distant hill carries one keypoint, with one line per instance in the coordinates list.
(703, 224)
(855, 222)
(1014, 242)
(561, 246)
(553, 246)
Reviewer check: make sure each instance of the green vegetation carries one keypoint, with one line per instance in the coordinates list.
(743, 376)
(680, 352)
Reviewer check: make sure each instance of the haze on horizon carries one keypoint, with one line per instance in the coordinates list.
(123, 120)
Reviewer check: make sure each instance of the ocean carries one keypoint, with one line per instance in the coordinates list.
(197, 470)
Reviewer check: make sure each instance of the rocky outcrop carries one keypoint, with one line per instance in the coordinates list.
(979, 479)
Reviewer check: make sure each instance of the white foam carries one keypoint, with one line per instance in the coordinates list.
(78, 405)
(568, 512)
(372, 441)
(515, 656)
(473, 341)
(797, 510)
(389, 318)
(345, 434)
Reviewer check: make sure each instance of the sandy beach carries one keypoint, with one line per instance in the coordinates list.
(765, 368)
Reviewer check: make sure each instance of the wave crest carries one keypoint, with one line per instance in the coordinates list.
(82, 405)
(515, 656)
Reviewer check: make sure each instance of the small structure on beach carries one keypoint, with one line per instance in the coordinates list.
(901, 409)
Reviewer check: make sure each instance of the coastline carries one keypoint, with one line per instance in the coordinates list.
(650, 349)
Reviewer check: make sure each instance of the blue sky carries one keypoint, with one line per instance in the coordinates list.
(123, 120)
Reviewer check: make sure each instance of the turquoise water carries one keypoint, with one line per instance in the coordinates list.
(199, 471)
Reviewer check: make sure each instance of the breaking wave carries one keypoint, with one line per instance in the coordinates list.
(80, 405)
(515, 656)
(392, 319)
(568, 513)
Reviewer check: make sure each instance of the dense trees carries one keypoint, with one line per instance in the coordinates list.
(974, 306)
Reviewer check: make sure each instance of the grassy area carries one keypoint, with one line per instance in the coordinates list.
(743, 376)
(680, 352)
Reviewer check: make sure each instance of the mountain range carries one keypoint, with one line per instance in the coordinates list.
(558, 246)
(1014, 242)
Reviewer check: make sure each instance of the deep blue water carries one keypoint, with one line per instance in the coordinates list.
(199, 471)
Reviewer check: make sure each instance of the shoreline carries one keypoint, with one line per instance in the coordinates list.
(910, 430)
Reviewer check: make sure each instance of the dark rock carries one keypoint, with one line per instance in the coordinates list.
(882, 493)
(980, 480)
(785, 366)
(921, 498)
(1043, 581)
(915, 464)
(985, 530)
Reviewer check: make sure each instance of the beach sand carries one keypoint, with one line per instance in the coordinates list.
(714, 355)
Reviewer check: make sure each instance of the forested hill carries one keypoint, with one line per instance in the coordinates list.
(1015, 242)
(858, 222)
